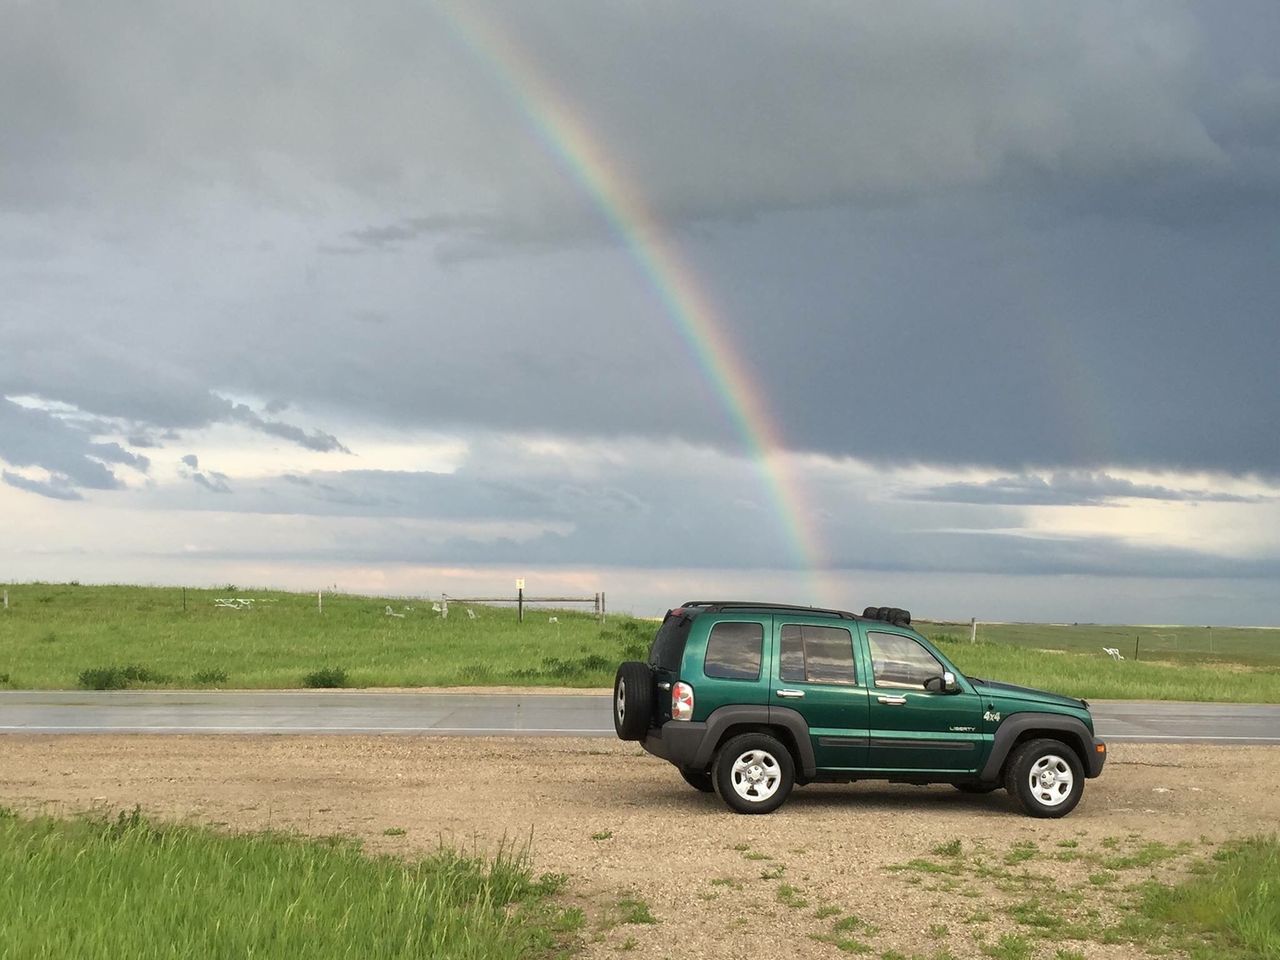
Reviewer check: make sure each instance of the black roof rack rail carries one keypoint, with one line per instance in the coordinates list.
(712, 606)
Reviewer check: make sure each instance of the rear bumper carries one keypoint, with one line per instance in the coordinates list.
(678, 742)
(1097, 757)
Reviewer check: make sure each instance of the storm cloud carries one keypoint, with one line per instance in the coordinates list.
(1001, 257)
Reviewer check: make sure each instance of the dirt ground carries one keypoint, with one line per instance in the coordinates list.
(622, 824)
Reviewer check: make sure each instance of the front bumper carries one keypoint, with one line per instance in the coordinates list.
(1097, 757)
(677, 741)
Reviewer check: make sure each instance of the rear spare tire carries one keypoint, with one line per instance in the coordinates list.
(632, 700)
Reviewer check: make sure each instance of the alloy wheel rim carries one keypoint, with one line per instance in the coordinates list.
(756, 775)
(1051, 780)
(620, 700)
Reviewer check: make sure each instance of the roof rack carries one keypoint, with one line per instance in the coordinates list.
(721, 605)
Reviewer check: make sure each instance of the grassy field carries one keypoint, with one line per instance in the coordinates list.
(59, 636)
(1256, 646)
(128, 888)
(66, 636)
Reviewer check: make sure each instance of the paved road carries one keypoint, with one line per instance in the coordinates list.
(503, 714)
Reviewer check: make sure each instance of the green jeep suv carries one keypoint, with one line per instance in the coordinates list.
(750, 699)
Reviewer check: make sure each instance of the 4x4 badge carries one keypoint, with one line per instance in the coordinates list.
(992, 715)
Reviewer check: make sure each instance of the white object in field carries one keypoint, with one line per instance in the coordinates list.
(1113, 652)
(553, 619)
(471, 614)
(392, 613)
(435, 608)
(233, 603)
(520, 584)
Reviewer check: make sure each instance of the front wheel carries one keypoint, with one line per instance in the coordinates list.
(753, 773)
(1046, 777)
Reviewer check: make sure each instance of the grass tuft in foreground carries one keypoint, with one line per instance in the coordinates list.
(1232, 910)
(131, 888)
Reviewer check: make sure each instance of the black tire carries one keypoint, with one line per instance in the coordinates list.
(632, 700)
(755, 755)
(975, 786)
(700, 780)
(1058, 776)
(869, 613)
(882, 613)
(900, 617)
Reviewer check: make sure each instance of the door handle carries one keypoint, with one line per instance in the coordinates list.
(893, 701)
(791, 694)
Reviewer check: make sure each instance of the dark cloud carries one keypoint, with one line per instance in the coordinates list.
(1072, 488)
(1008, 235)
(311, 440)
(213, 482)
(1034, 237)
(57, 488)
(36, 438)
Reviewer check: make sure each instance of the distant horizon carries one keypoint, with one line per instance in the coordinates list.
(618, 601)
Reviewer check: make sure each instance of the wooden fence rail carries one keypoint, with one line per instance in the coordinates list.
(597, 601)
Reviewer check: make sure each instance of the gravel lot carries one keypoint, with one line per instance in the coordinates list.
(622, 824)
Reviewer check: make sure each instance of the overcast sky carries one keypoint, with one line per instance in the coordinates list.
(314, 294)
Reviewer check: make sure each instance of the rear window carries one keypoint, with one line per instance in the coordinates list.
(734, 651)
(668, 646)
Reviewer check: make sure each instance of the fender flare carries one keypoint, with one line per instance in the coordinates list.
(1078, 737)
(724, 718)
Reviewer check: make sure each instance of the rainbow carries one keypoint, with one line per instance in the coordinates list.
(686, 303)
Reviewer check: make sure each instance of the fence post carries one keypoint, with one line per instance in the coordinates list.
(320, 601)
(973, 629)
(184, 599)
(602, 613)
(444, 606)
(519, 604)
(6, 599)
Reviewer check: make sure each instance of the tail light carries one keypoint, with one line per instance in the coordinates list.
(681, 702)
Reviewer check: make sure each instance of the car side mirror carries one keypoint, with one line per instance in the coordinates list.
(943, 684)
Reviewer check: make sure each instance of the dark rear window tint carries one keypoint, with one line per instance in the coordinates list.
(734, 651)
(668, 646)
(817, 654)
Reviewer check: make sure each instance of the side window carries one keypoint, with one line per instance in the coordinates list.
(734, 651)
(901, 662)
(817, 654)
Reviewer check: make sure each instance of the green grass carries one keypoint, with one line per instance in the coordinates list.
(1184, 645)
(128, 888)
(1229, 912)
(1098, 677)
(113, 637)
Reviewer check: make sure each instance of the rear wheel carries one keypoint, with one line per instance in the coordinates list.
(632, 700)
(975, 786)
(1046, 777)
(753, 773)
(698, 779)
